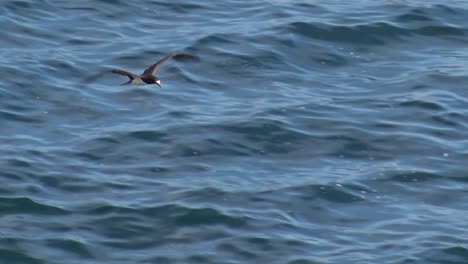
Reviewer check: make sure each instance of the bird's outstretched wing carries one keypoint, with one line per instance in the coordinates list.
(126, 73)
(153, 68)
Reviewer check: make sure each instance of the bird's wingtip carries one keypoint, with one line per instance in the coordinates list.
(184, 55)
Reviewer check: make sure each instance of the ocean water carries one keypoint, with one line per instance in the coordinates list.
(305, 132)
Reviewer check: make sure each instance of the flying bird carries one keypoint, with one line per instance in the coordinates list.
(149, 75)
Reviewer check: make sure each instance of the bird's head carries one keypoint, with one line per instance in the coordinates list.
(158, 82)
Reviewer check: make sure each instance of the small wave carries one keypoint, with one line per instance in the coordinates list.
(181, 8)
(68, 245)
(411, 176)
(337, 193)
(450, 119)
(423, 105)
(446, 254)
(265, 136)
(25, 205)
(209, 216)
(215, 39)
(376, 33)
(431, 13)
(413, 16)
(439, 30)
(16, 256)
(11, 116)
(371, 34)
(171, 215)
(149, 135)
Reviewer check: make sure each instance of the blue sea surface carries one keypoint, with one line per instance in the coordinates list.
(306, 132)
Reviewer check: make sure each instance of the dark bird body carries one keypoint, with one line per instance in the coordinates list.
(148, 76)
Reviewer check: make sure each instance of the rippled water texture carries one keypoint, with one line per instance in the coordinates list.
(306, 132)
